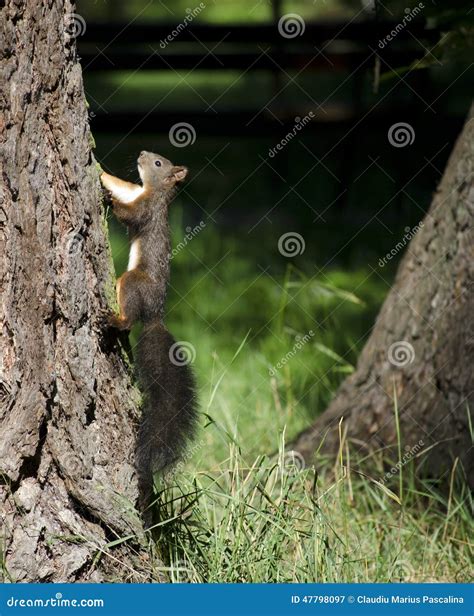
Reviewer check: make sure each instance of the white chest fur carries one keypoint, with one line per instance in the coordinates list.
(134, 257)
(126, 194)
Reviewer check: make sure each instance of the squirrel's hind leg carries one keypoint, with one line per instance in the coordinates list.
(129, 299)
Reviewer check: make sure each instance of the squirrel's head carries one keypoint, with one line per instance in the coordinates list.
(158, 172)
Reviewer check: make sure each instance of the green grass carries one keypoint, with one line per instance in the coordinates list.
(271, 522)
(224, 290)
(232, 512)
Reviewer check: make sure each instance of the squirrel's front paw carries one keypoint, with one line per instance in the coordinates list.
(111, 199)
(108, 197)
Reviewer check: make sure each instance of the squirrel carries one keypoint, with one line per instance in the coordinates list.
(169, 414)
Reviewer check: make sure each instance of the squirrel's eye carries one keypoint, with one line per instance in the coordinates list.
(158, 163)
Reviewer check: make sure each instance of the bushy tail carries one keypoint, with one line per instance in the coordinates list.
(170, 411)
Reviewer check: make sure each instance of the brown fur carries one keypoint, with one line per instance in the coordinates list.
(170, 409)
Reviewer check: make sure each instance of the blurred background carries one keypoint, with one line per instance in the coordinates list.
(330, 121)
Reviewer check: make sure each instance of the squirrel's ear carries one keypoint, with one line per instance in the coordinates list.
(179, 173)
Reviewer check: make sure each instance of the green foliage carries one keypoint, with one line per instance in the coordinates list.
(454, 22)
(223, 11)
(223, 291)
(456, 25)
(232, 514)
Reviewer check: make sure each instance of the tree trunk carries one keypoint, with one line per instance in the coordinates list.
(421, 349)
(68, 409)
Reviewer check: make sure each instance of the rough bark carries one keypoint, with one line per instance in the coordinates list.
(67, 405)
(430, 307)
